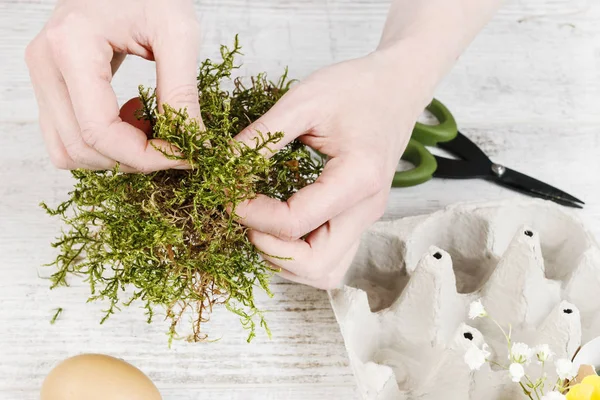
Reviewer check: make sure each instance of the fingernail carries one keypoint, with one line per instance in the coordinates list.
(182, 166)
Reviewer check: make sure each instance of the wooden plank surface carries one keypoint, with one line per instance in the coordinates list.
(527, 90)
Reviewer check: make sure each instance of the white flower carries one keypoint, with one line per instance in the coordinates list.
(476, 310)
(543, 353)
(484, 349)
(516, 372)
(520, 353)
(476, 357)
(554, 396)
(565, 369)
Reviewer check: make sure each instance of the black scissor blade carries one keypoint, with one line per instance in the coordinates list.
(473, 162)
(463, 147)
(531, 186)
(460, 169)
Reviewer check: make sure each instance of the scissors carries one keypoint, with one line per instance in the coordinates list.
(472, 163)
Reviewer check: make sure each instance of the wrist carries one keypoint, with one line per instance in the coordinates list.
(424, 39)
(409, 74)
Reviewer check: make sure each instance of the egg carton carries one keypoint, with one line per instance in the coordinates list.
(403, 307)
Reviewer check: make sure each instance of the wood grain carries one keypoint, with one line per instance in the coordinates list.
(527, 90)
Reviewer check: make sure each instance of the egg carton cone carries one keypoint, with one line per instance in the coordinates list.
(403, 306)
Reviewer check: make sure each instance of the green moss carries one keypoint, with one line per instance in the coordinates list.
(55, 316)
(167, 234)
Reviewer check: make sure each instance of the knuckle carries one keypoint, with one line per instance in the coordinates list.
(56, 36)
(286, 233)
(60, 31)
(258, 126)
(89, 135)
(302, 90)
(292, 230)
(177, 27)
(140, 165)
(190, 28)
(302, 97)
(77, 151)
(61, 160)
(252, 133)
(184, 96)
(143, 168)
(32, 52)
(372, 176)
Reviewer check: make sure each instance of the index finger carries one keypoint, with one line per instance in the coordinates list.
(341, 185)
(84, 62)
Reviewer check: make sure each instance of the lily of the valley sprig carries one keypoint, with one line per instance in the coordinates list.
(521, 355)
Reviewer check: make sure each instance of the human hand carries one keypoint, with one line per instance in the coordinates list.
(360, 114)
(72, 62)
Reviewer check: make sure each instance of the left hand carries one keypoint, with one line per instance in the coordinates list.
(359, 113)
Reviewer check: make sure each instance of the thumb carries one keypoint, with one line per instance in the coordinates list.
(176, 51)
(289, 116)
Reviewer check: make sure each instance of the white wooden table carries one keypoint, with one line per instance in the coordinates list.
(527, 90)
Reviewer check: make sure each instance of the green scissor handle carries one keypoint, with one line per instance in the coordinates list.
(425, 135)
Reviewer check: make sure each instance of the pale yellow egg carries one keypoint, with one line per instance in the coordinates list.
(97, 377)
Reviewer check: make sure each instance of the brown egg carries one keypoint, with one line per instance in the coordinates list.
(97, 377)
(127, 114)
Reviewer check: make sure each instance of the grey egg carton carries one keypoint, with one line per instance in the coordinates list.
(403, 307)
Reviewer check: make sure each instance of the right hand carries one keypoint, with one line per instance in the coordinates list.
(72, 62)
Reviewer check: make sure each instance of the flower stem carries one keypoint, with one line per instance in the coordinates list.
(507, 337)
(543, 376)
(533, 386)
(558, 386)
(498, 364)
(527, 392)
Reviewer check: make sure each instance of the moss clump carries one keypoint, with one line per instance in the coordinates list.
(167, 234)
